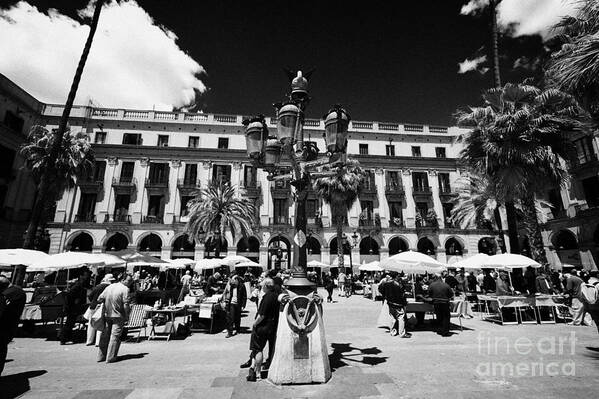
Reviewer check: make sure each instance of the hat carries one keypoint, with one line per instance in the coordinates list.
(108, 278)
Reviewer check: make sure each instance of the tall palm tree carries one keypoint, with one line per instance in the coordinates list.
(75, 160)
(217, 209)
(476, 203)
(519, 140)
(575, 67)
(341, 191)
(49, 175)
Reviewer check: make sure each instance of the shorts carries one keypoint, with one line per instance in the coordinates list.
(259, 338)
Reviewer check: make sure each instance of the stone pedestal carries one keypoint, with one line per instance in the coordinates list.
(292, 364)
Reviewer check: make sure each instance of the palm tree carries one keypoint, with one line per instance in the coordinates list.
(215, 210)
(475, 204)
(519, 140)
(46, 194)
(341, 192)
(74, 161)
(575, 67)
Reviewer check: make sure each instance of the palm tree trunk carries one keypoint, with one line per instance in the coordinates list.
(43, 197)
(494, 45)
(340, 257)
(531, 223)
(499, 224)
(512, 227)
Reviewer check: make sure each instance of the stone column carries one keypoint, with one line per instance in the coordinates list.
(410, 217)
(170, 208)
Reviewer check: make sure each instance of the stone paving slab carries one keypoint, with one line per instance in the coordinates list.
(367, 363)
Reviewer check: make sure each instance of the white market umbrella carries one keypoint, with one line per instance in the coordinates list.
(454, 259)
(232, 260)
(73, 260)
(133, 258)
(473, 262)
(19, 256)
(412, 262)
(509, 262)
(180, 263)
(373, 266)
(346, 261)
(205, 264)
(315, 263)
(250, 264)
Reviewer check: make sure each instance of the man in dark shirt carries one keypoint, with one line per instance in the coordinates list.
(489, 285)
(75, 301)
(451, 281)
(396, 299)
(264, 325)
(12, 302)
(441, 294)
(572, 288)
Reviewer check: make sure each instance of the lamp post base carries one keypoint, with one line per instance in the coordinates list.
(300, 358)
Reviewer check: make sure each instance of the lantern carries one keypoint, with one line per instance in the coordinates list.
(289, 124)
(336, 123)
(272, 155)
(256, 133)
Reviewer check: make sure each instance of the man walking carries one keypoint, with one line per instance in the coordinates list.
(12, 302)
(93, 335)
(235, 299)
(341, 280)
(185, 285)
(572, 288)
(394, 293)
(116, 312)
(75, 301)
(441, 294)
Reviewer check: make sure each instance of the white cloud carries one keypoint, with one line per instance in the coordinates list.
(473, 65)
(529, 17)
(534, 16)
(473, 7)
(133, 63)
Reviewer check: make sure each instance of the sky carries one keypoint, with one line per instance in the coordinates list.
(409, 62)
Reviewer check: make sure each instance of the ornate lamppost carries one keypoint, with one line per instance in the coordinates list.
(302, 355)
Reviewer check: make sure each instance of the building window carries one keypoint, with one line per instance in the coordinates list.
(184, 202)
(444, 186)
(555, 199)
(100, 138)
(440, 152)
(395, 214)
(87, 207)
(194, 142)
(127, 172)
(99, 170)
(420, 181)
(249, 176)
(14, 122)
(132, 139)
(390, 150)
(416, 151)
(393, 180)
(584, 150)
(363, 149)
(223, 143)
(590, 187)
(158, 173)
(367, 214)
(281, 210)
(162, 140)
(422, 211)
(311, 208)
(447, 208)
(221, 173)
(121, 207)
(191, 174)
(155, 209)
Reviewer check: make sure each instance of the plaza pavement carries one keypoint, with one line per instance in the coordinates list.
(366, 361)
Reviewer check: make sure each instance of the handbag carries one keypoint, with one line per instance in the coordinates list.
(88, 314)
(97, 320)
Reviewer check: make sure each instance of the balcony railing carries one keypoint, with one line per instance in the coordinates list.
(153, 219)
(315, 222)
(396, 222)
(368, 186)
(446, 190)
(394, 188)
(160, 182)
(124, 181)
(250, 184)
(280, 221)
(117, 219)
(421, 190)
(189, 183)
(367, 222)
(91, 218)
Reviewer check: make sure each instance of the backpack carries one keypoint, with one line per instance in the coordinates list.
(590, 293)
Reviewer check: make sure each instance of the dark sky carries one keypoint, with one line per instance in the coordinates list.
(385, 61)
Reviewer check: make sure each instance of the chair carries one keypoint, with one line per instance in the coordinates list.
(459, 316)
(137, 319)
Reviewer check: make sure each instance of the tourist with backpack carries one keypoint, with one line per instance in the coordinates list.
(573, 286)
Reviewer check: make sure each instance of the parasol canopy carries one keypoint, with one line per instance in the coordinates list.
(205, 264)
(73, 260)
(19, 256)
(133, 258)
(180, 263)
(473, 262)
(315, 263)
(232, 260)
(509, 261)
(373, 266)
(249, 264)
(346, 261)
(412, 262)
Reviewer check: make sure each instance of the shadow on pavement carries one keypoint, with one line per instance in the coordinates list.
(15, 385)
(342, 355)
(130, 356)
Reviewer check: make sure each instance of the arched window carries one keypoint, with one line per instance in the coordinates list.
(397, 245)
(151, 244)
(333, 247)
(369, 246)
(487, 245)
(279, 254)
(312, 246)
(250, 248)
(117, 242)
(565, 240)
(426, 246)
(216, 247)
(82, 242)
(453, 247)
(182, 248)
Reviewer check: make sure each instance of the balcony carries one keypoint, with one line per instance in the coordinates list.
(252, 189)
(422, 192)
(394, 190)
(91, 185)
(120, 218)
(314, 222)
(90, 218)
(181, 218)
(368, 190)
(445, 192)
(188, 186)
(396, 223)
(280, 189)
(124, 184)
(280, 221)
(153, 219)
(157, 185)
